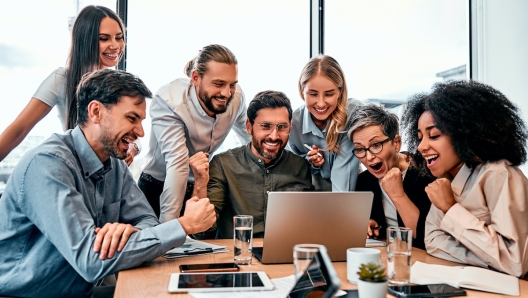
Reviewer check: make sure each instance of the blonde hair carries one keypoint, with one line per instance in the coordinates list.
(328, 67)
(214, 52)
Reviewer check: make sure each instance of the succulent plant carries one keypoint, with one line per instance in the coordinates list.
(372, 272)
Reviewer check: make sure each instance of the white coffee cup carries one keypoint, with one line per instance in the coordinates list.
(357, 256)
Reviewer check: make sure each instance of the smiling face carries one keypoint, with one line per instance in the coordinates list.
(217, 86)
(265, 144)
(120, 126)
(437, 148)
(320, 95)
(377, 164)
(111, 43)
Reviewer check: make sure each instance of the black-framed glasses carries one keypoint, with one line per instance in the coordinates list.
(267, 127)
(374, 149)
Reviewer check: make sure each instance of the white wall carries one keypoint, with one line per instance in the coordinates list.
(500, 49)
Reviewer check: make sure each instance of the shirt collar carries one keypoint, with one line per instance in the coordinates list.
(308, 126)
(458, 183)
(90, 163)
(194, 99)
(259, 160)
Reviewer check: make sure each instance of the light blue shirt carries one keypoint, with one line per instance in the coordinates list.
(341, 167)
(58, 194)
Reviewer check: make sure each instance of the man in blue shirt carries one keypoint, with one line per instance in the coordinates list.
(71, 211)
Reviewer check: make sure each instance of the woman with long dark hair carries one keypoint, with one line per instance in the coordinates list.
(98, 41)
(472, 138)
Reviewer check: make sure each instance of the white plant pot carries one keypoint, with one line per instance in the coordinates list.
(367, 289)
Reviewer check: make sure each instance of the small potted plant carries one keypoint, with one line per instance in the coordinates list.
(372, 281)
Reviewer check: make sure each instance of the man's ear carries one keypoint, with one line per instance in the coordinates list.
(397, 143)
(195, 77)
(95, 111)
(249, 127)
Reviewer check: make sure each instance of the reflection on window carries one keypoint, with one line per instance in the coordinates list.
(390, 50)
(36, 43)
(270, 40)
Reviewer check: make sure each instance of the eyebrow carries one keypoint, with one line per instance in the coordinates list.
(135, 115)
(428, 128)
(330, 90)
(106, 34)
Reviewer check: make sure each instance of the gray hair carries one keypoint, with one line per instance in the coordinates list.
(371, 115)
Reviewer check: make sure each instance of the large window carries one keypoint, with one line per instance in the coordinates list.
(34, 41)
(392, 49)
(270, 40)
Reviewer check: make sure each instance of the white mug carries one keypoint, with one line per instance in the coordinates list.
(357, 256)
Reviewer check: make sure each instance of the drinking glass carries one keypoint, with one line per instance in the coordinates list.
(243, 238)
(302, 257)
(399, 247)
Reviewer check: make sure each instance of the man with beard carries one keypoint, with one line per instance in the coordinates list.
(191, 117)
(71, 211)
(241, 178)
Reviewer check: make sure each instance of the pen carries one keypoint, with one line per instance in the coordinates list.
(310, 148)
(375, 228)
(198, 251)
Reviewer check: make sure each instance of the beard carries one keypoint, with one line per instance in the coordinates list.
(111, 144)
(208, 101)
(257, 144)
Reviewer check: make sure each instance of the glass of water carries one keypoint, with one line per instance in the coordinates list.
(243, 237)
(303, 255)
(399, 247)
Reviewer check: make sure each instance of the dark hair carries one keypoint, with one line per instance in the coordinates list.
(373, 115)
(212, 52)
(268, 99)
(108, 86)
(482, 123)
(84, 52)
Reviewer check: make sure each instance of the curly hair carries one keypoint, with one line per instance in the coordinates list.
(328, 66)
(484, 126)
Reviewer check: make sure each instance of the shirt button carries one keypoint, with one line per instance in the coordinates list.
(267, 171)
(259, 160)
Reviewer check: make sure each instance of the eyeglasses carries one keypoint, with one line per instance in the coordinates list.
(374, 149)
(282, 128)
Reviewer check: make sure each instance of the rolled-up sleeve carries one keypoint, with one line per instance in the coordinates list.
(169, 131)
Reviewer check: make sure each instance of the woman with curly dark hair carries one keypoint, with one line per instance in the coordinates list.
(471, 137)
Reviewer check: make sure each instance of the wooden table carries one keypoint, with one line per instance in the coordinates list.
(152, 279)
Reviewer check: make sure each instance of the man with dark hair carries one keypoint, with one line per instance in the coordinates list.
(71, 211)
(241, 178)
(191, 117)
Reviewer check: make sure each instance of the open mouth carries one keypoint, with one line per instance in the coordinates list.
(431, 159)
(320, 111)
(126, 142)
(376, 167)
(220, 99)
(111, 56)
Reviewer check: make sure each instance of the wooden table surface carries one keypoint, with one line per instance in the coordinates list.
(152, 279)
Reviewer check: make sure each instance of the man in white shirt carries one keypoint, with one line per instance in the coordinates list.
(191, 118)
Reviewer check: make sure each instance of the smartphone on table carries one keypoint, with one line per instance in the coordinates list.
(435, 290)
(217, 267)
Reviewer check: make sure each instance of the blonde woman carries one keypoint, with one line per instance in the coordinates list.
(319, 126)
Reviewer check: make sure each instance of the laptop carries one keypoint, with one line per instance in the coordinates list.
(337, 220)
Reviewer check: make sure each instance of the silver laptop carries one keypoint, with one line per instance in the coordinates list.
(337, 220)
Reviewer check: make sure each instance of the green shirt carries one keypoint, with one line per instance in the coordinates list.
(239, 183)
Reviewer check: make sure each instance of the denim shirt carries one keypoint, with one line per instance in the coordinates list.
(57, 195)
(342, 167)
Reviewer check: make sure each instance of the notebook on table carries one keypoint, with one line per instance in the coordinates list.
(337, 220)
